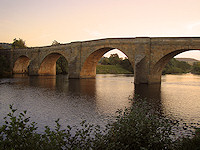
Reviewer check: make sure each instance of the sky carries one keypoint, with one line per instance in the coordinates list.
(39, 22)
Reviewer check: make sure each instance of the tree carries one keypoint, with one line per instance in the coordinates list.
(55, 43)
(114, 59)
(62, 65)
(196, 68)
(1, 47)
(127, 65)
(18, 44)
(104, 61)
(174, 66)
(4, 65)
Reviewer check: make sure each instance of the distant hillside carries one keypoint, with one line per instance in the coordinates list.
(5, 46)
(188, 60)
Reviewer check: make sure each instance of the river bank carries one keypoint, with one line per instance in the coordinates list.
(111, 69)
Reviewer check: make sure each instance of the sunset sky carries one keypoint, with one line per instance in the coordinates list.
(39, 22)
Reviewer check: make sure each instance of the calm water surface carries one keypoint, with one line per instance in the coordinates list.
(48, 98)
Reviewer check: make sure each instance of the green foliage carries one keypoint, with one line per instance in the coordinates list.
(55, 43)
(4, 66)
(191, 143)
(175, 67)
(1, 47)
(112, 60)
(115, 60)
(111, 69)
(104, 61)
(112, 65)
(139, 127)
(19, 133)
(18, 44)
(196, 68)
(5, 46)
(125, 63)
(62, 65)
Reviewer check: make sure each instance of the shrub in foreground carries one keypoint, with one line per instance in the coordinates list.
(19, 133)
(137, 127)
(191, 143)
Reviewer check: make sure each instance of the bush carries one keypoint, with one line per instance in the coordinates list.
(4, 66)
(18, 44)
(191, 143)
(19, 133)
(62, 66)
(175, 67)
(196, 68)
(111, 69)
(137, 127)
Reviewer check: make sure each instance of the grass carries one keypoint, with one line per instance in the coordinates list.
(111, 69)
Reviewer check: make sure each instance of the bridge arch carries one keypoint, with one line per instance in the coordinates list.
(48, 64)
(88, 69)
(21, 65)
(156, 72)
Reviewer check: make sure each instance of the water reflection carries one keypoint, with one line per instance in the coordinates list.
(83, 86)
(148, 91)
(35, 81)
(151, 93)
(59, 83)
(180, 97)
(96, 100)
(113, 91)
(50, 97)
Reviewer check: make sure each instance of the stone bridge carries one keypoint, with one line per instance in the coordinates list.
(147, 55)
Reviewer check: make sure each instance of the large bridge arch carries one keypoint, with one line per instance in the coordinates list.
(158, 67)
(21, 65)
(88, 68)
(47, 65)
(92, 51)
(161, 50)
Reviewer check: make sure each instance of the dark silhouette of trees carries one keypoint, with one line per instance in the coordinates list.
(1, 47)
(4, 66)
(55, 42)
(18, 44)
(174, 66)
(62, 66)
(115, 60)
(125, 63)
(196, 68)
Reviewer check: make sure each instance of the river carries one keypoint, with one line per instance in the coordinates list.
(47, 98)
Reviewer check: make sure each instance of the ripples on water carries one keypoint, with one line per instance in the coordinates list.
(48, 98)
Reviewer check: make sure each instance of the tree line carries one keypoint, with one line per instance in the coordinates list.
(177, 67)
(173, 66)
(196, 68)
(115, 60)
